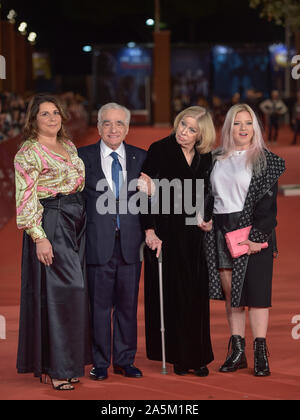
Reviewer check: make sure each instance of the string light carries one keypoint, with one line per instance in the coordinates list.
(32, 37)
(12, 16)
(22, 28)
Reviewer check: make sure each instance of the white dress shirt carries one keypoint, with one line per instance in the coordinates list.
(106, 161)
(230, 180)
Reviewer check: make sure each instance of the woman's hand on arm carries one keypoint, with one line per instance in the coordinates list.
(153, 241)
(146, 185)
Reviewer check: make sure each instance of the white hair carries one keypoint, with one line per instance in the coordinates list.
(113, 105)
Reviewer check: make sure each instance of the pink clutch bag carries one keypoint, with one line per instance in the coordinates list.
(235, 237)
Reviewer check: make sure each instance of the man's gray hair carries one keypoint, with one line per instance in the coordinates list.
(113, 105)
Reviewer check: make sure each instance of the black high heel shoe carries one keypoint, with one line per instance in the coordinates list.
(64, 386)
(73, 380)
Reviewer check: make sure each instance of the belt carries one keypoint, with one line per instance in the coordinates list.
(60, 199)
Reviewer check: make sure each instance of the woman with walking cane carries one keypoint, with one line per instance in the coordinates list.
(184, 155)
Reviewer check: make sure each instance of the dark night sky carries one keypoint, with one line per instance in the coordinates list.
(64, 26)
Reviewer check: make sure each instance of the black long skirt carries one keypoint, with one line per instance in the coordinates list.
(186, 301)
(54, 336)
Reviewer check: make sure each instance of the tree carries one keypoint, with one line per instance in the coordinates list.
(281, 11)
(287, 14)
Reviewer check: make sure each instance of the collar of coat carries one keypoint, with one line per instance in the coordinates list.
(270, 175)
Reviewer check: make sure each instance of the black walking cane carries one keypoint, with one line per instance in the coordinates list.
(161, 305)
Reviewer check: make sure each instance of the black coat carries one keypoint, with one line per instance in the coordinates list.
(185, 277)
(260, 211)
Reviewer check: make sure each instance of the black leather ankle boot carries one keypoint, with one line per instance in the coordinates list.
(237, 358)
(261, 353)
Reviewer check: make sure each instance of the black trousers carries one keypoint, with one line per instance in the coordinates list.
(113, 290)
(273, 127)
(296, 131)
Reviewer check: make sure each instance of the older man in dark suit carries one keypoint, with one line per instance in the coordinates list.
(113, 242)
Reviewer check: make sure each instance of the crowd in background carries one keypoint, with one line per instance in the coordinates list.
(272, 111)
(219, 106)
(12, 115)
(13, 108)
(76, 105)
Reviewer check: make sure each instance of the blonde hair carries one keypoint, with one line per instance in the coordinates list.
(256, 156)
(207, 136)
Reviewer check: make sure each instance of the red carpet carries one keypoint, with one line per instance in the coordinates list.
(284, 383)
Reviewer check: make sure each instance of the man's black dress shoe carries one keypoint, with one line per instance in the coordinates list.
(98, 374)
(130, 371)
(203, 371)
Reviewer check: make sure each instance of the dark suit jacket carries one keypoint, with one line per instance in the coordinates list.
(101, 228)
